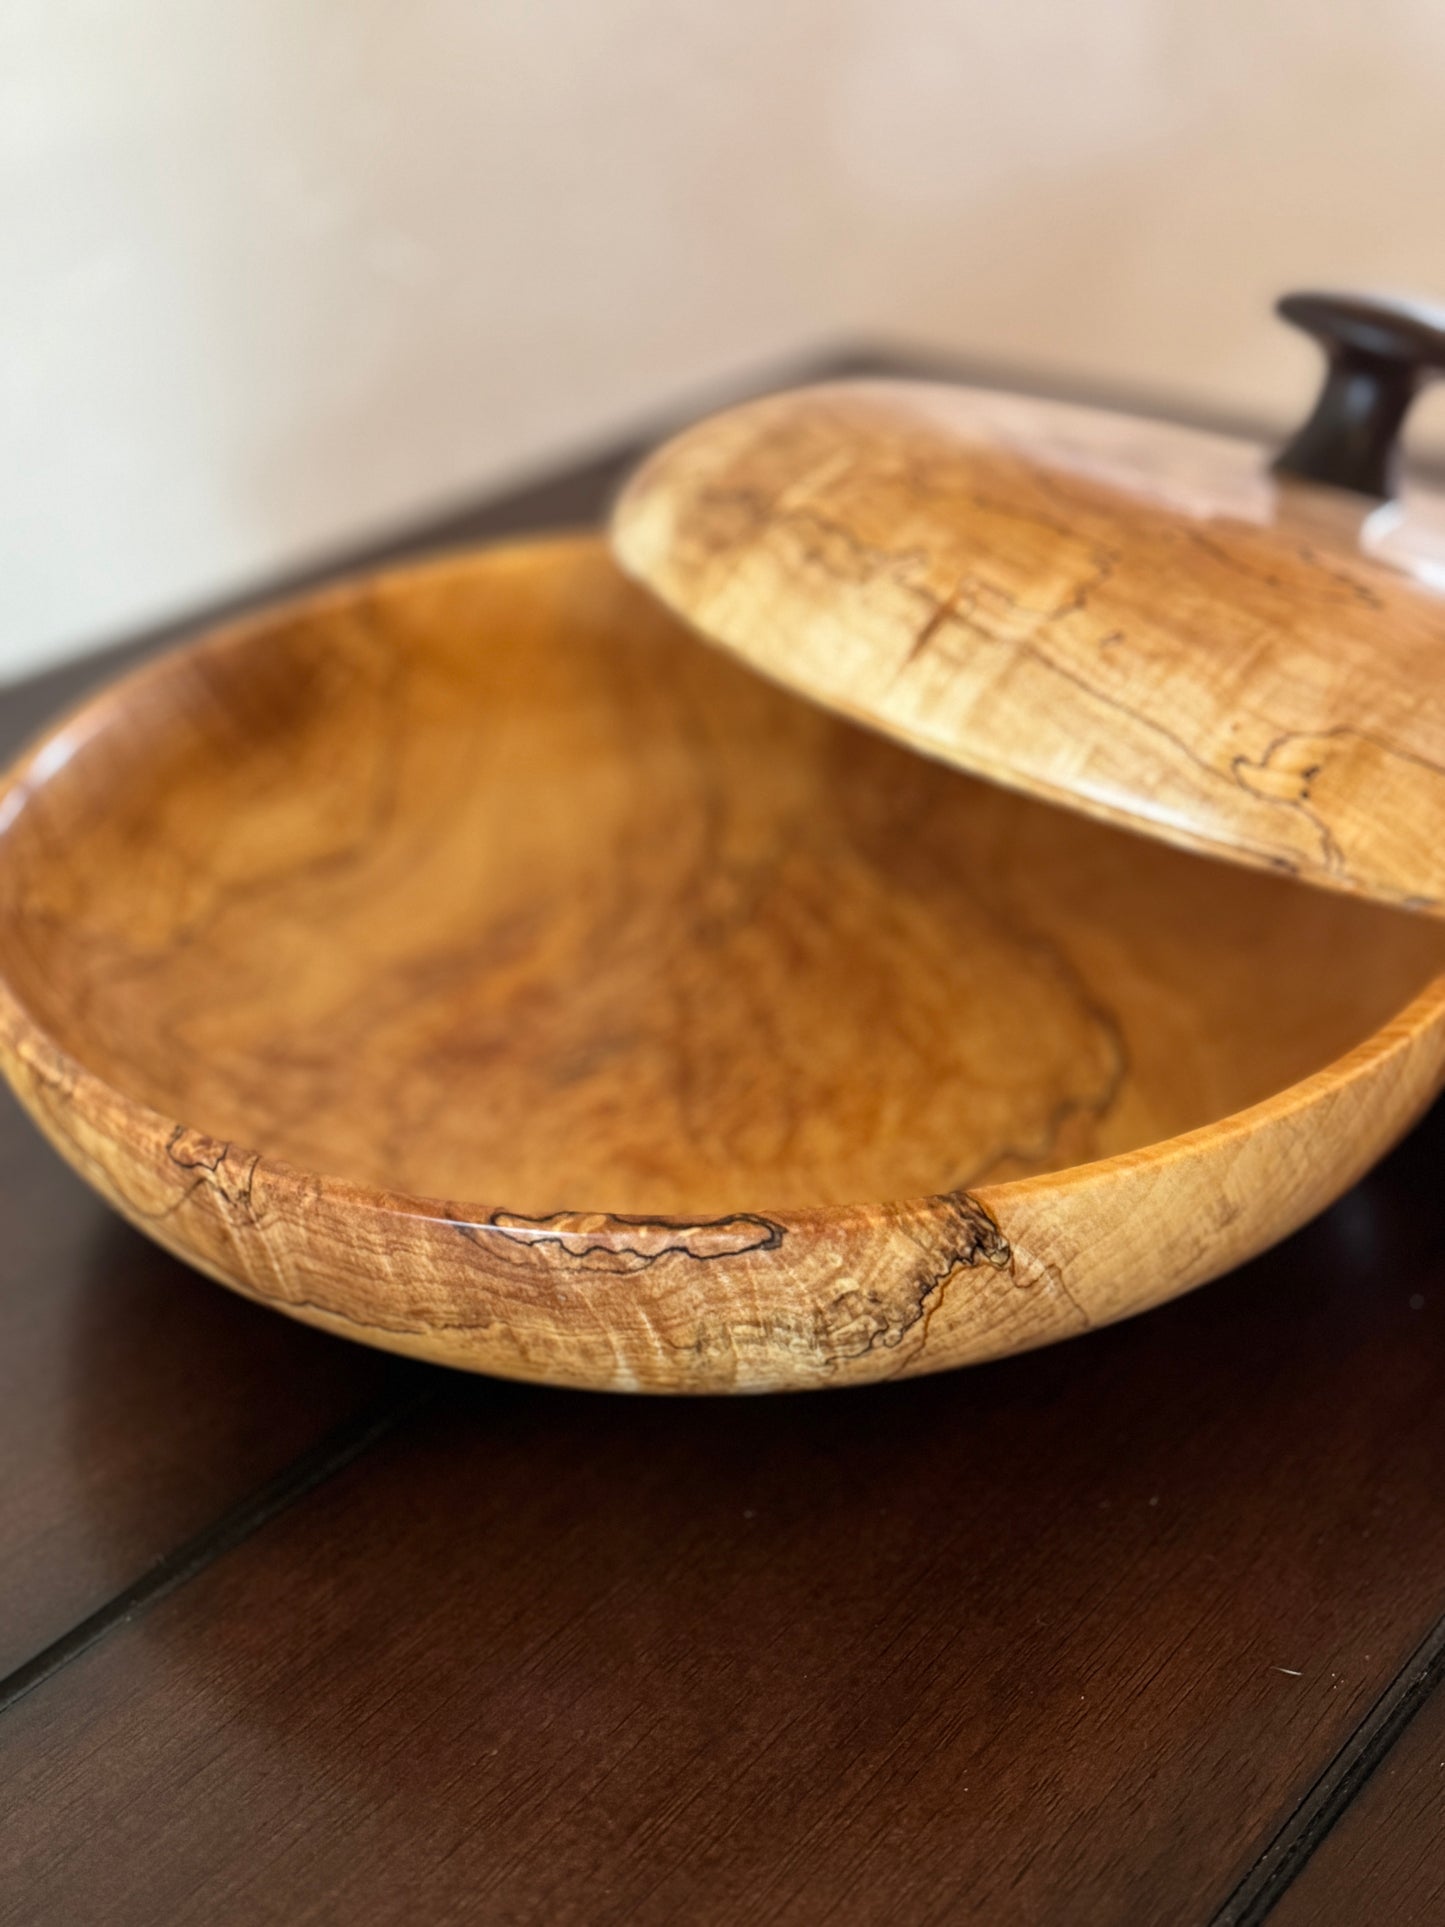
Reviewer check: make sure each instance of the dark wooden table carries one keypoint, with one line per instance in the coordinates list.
(1147, 1627)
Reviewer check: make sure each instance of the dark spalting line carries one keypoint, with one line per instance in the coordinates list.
(595, 1238)
(858, 1322)
(853, 1325)
(204, 1158)
(1397, 752)
(874, 562)
(194, 1151)
(935, 621)
(870, 561)
(54, 1090)
(951, 611)
(983, 1238)
(1332, 572)
(1332, 858)
(1354, 590)
(1335, 860)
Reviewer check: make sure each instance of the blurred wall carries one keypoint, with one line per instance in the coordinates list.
(280, 273)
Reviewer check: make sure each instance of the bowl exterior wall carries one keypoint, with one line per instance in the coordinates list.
(748, 1303)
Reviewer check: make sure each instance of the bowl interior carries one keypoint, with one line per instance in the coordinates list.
(488, 882)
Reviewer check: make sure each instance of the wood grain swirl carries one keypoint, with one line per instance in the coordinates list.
(466, 962)
(1134, 619)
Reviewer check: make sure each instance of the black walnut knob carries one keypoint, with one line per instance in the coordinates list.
(1379, 354)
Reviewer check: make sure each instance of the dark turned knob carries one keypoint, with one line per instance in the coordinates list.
(1380, 354)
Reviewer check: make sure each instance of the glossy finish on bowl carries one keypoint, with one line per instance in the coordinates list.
(1137, 620)
(466, 962)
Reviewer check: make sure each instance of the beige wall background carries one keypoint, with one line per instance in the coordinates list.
(275, 275)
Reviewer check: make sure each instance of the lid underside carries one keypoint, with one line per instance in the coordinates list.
(1139, 621)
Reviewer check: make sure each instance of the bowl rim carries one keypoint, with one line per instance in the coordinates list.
(98, 1097)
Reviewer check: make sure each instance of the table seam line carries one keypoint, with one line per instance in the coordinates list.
(340, 1448)
(1334, 1791)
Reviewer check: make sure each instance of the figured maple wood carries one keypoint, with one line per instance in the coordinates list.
(465, 961)
(1137, 619)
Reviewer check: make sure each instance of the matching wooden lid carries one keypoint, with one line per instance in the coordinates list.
(1153, 625)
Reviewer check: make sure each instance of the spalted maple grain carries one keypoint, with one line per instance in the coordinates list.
(1138, 619)
(467, 961)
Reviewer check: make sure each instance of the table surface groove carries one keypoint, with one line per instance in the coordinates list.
(1367, 1749)
(187, 1561)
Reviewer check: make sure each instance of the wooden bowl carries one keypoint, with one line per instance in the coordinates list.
(469, 962)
